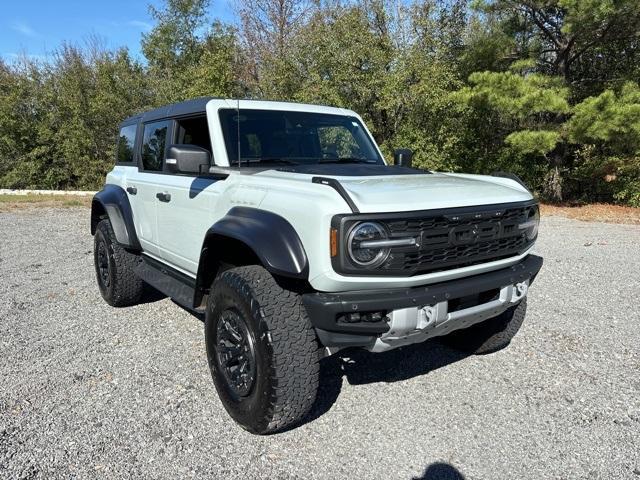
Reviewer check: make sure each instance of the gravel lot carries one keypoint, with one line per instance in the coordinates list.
(91, 391)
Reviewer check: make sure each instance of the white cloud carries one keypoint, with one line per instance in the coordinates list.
(24, 29)
(139, 24)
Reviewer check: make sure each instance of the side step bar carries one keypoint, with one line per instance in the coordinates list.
(173, 283)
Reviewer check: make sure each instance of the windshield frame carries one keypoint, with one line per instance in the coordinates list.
(346, 116)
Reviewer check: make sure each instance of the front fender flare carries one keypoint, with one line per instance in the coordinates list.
(270, 236)
(113, 201)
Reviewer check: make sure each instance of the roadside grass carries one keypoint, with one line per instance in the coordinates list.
(10, 203)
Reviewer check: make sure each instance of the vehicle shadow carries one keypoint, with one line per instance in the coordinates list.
(360, 367)
(151, 295)
(440, 471)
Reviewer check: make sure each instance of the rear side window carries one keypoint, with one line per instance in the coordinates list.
(154, 140)
(126, 141)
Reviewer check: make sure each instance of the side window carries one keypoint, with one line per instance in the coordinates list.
(154, 140)
(194, 131)
(126, 141)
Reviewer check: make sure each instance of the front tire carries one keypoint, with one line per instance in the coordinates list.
(115, 268)
(491, 335)
(262, 350)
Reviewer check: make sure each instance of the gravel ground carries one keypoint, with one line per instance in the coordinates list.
(91, 391)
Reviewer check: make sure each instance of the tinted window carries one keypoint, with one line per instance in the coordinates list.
(126, 141)
(194, 131)
(295, 137)
(153, 145)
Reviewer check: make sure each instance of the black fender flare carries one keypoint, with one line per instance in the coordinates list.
(113, 201)
(272, 238)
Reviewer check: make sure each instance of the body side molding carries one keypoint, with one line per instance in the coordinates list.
(113, 201)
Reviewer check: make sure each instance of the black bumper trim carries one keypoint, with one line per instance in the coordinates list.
(324, 307)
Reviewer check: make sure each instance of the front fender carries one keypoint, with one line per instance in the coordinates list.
(113, 201)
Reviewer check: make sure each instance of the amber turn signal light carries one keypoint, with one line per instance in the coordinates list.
(333, 242)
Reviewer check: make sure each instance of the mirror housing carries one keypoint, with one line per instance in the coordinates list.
(402, 157)
(187, 158)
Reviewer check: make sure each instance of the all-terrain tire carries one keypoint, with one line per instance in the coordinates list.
(279, 388)
(115, 268)
(491, 335)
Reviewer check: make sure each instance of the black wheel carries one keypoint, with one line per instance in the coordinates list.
(262, 350)
(118, 283)
(491, 335)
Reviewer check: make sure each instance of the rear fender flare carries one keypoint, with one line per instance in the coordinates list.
(113, 202)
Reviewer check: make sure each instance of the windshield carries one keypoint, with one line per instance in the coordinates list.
(297, 138)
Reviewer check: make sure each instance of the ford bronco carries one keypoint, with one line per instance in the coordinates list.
(285, 226)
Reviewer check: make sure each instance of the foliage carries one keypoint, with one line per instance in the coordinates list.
(546, 89)
(187, 57)
(610, 119)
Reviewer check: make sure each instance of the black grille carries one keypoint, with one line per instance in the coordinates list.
(448, 238)
(457, 240)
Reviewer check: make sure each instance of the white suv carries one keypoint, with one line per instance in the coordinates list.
(285, 226)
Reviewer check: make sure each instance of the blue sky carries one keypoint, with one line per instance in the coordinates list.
(36, 28)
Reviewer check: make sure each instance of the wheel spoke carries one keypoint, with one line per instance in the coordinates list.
(235, 353)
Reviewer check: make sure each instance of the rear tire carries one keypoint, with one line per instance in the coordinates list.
(491, 335)
(262, 350)
(115, 268)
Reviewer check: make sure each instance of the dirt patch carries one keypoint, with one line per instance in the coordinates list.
(595, 212)
(9, 203)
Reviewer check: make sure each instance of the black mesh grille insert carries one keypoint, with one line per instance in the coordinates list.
(457, 240)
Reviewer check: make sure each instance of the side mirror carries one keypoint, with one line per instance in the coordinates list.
(187, 158)
(402, 157)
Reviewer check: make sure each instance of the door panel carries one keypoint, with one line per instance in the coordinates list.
(144, 206)
(184, 220)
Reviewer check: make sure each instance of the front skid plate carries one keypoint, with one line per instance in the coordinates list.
(417, 324)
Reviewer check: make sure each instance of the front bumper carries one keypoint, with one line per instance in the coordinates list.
(426, 306)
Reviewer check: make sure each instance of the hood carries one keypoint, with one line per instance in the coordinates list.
(420, 190)
(430, 191)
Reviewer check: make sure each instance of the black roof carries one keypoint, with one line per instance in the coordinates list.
(197, 105)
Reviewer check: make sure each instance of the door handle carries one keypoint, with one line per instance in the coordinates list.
(163, 196)
(132, 190)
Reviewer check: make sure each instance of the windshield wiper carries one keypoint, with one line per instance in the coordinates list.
(346, 160)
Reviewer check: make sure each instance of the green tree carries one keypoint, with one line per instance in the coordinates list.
(21, 111)
(590, 43)
(62, 129)
(608, 129)
(345, 58)
(525, 113)
(187, 55)
(269, 30)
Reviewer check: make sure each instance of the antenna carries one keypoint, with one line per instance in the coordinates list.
(238, 122)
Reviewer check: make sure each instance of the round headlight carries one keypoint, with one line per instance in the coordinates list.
(366, 255)
(530, 227)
